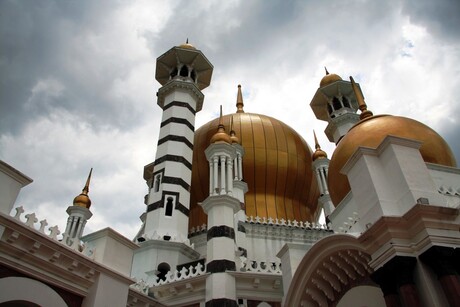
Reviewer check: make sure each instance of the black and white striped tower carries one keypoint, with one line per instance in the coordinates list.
(183, 72)
(221, 206)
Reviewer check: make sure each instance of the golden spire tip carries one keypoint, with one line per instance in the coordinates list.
(327, 73)
(86, 187)
(239, 101)
(361, 103)
(316, 140)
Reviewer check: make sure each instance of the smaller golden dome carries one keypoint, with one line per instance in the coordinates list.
(83, 199)
(221, 136)
(187, 46)
(319, 153)
(329, 79)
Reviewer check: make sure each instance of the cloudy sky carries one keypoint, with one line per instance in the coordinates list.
(78, 87)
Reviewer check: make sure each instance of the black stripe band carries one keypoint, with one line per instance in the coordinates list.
(220, 266)
(178, 181)
(180, 104)
(221, 302)
(241, 228)
(160, 204)
(221, 231)
(178, 120)
(174, 158)
(176, 138)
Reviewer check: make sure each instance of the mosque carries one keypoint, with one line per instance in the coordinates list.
(232, 213)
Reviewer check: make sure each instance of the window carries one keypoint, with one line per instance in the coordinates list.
(156, 184)
(163, 269)
(184, 71)
(336, 103)
(169, 206)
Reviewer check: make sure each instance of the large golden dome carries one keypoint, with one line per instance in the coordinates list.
(276, 167)
(370, 132)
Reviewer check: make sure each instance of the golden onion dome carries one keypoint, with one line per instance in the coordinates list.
(233, 137)
(319, 154)
(276, 167)
(370, 132)
(329, 78)
(220, 136)
(82, 200)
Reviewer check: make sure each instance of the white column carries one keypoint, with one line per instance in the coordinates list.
(211, 179)
(240, 167)
(222, 175)
(216, 177)
(229, 177)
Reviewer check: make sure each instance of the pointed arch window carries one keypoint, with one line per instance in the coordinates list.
(184, 71)
(169, 206)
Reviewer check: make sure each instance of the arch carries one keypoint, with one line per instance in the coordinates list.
(184, 71)
(345, 102)
(169, 206)
(28, 290)
(173, 73)
(163, 268)
(336, 103)
(328, 270)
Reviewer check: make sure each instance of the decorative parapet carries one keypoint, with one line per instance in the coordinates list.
(31, 221)
(348, 225)
(449, 190)
(286, 223)
(198, 230)
(140, 286)
(184, 273)
(268, 267)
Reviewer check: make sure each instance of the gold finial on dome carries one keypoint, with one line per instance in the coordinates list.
(239, 101)
(365, 113)
(187, 45)
(221, 136)
(233, 136)
(83, 200)
(319, 153)
(329, 78)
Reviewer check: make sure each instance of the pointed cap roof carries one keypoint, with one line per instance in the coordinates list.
(319, 153)
(329, 78)
(83, 199)
(239, 101)
(233, 137)
(221, 136)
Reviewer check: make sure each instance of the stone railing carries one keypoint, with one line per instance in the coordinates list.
(449, 190)
(271, 267)
(349, 224)
(184, 273)
(286, 223)
(53, 232)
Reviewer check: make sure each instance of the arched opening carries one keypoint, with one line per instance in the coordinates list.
(193, 75)
(156, 184)
(163, 268)
(173, 73)
(184, 71)
(169, 206)
(345, 101)
(336, 103)
(329, 109)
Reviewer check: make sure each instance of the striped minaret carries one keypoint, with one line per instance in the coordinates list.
(221, 206)
(183, 72)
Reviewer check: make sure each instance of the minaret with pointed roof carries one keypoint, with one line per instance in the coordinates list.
(183, 71)
(79, 214)
(336, 103)
(221, 206)
(320, 166)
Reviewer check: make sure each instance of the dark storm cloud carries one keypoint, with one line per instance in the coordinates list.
(441, 18)
(58, 42)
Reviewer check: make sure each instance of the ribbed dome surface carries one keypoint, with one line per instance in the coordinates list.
(276, 167)
(370, 132)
